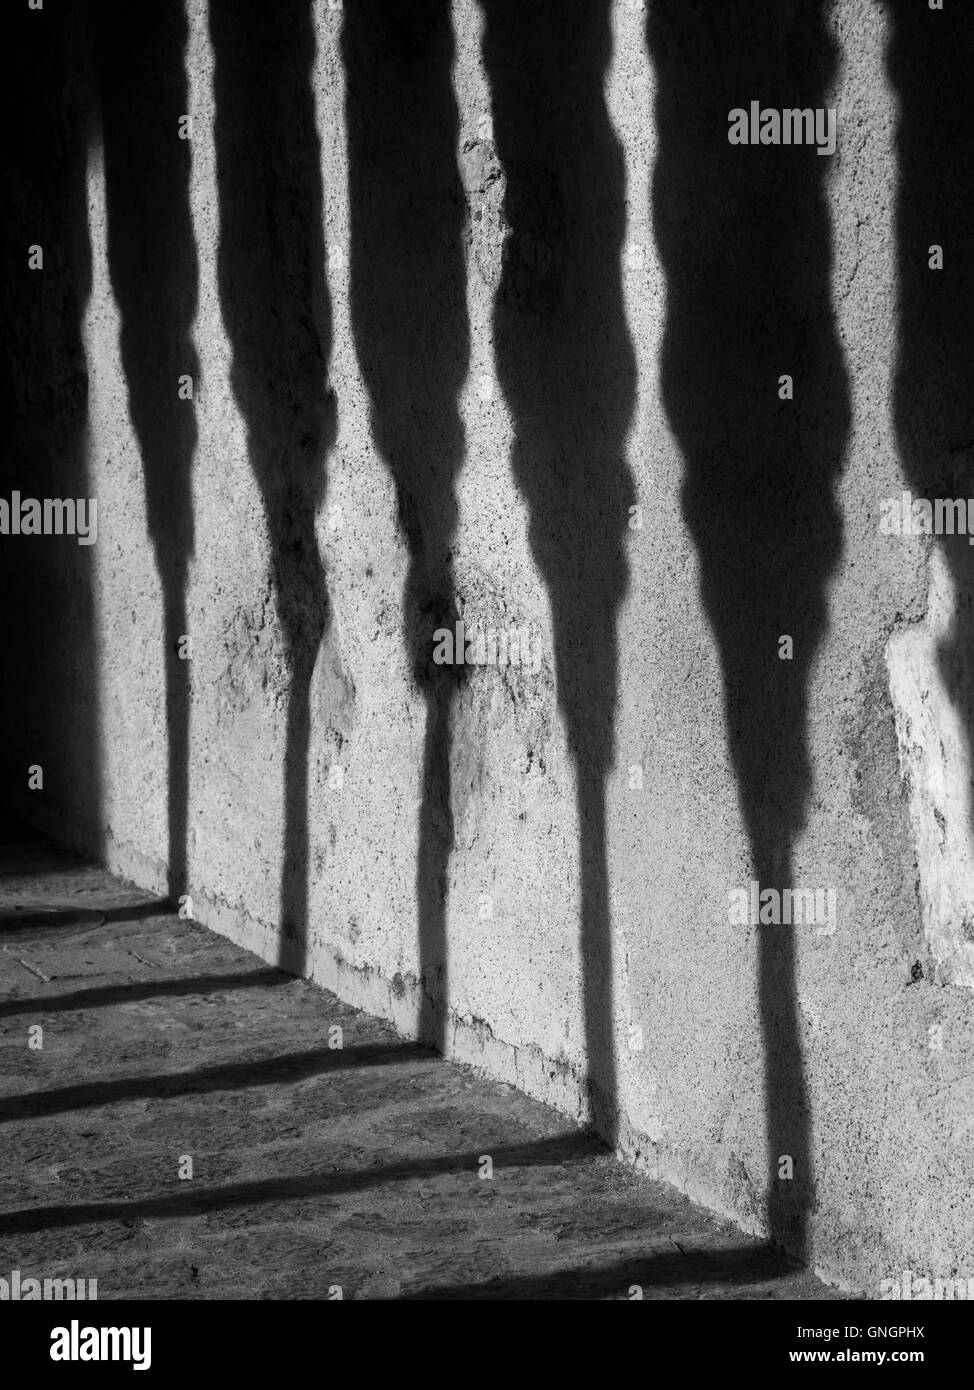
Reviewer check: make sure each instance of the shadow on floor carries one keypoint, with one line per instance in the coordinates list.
(107, 996)
(235, 1076)
(574, 1147)
(670, 1269)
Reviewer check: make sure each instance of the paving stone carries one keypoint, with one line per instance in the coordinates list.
(312, 1168)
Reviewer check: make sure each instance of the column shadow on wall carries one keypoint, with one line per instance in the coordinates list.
(409, 319)
(277, 313)
(143, 95)
(929, 64)
(567, 369)
(744, 238)
(50, 693)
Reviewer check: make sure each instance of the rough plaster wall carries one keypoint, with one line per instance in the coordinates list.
(537, 539)
(933, 744)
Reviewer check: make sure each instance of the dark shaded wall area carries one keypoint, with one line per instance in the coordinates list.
(566, 366)
(745, 246)
(407, 213)
(50, 686)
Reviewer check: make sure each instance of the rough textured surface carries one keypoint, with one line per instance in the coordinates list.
(314, 1167)
(460, 285)
(933, 735)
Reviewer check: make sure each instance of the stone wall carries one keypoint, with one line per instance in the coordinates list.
(486, 322)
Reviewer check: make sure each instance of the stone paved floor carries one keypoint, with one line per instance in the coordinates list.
(312, 1167)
